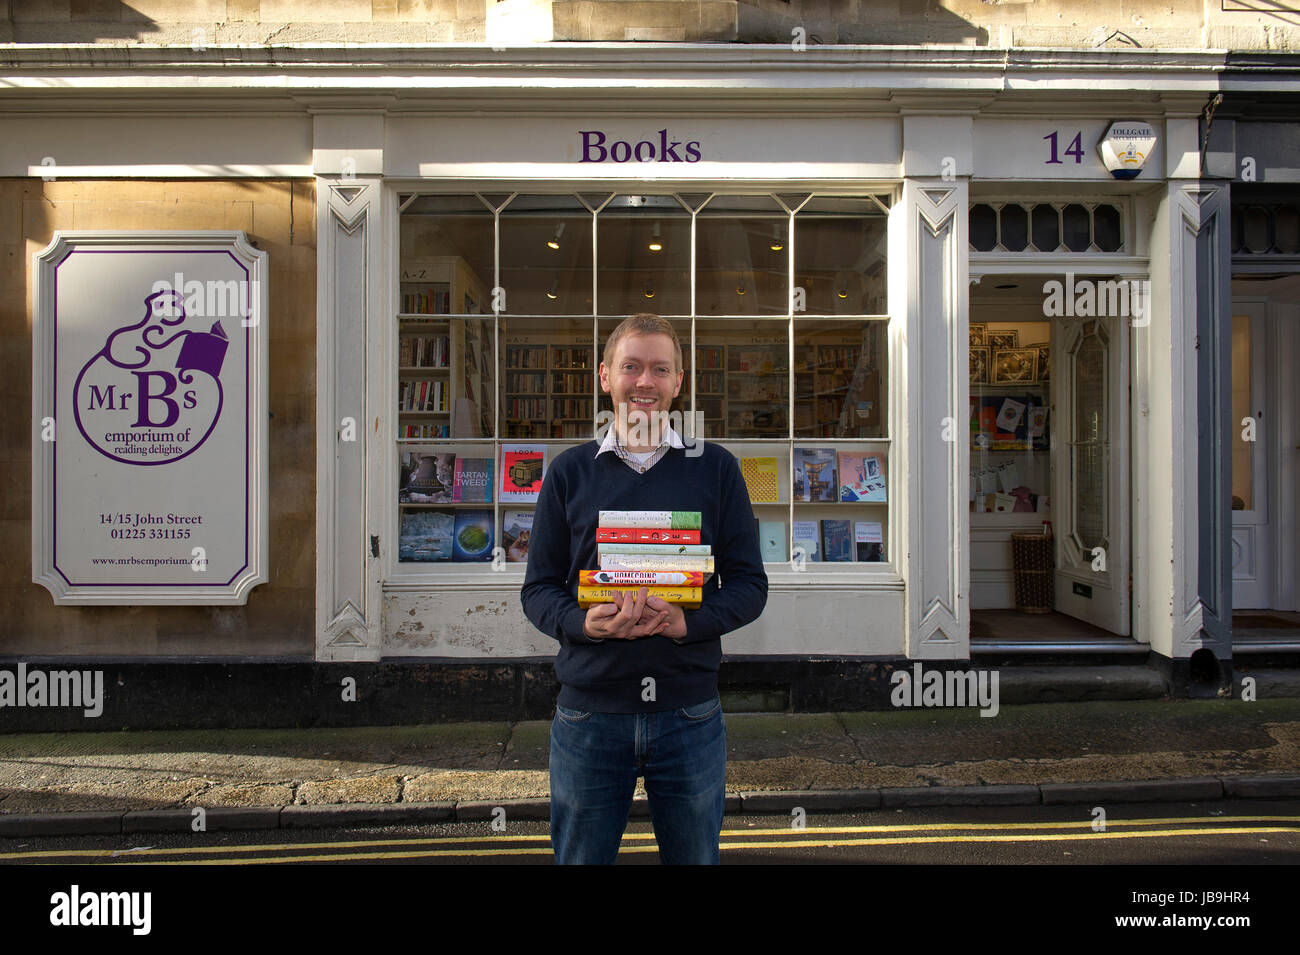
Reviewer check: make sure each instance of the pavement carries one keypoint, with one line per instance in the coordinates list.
(1079, 752)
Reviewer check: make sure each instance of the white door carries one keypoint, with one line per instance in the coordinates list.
(1252, 426)
(1090, 495)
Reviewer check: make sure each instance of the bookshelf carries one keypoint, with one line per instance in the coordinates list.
(435, 336)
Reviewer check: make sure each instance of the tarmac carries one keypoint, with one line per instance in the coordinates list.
(1092, 752)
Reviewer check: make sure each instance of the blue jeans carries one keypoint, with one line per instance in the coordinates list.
(595, 761)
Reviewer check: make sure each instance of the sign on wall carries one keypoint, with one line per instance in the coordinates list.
(149, 406)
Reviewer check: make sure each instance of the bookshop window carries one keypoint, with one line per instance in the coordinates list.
(506, 301)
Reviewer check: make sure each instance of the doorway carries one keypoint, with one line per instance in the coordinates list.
(1265, 448)
(1049, 386)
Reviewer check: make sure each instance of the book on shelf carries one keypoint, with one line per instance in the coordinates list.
(472, 539)
(837, 540)
(642, 578)
(807, 536)
(431, 300)
(425, 536)
(472, 483)
(425, 430)
(869, 541)
(661, 550)
(862, 476)
(688, 597)
(424, 351)
(675, 520)
(814, 474)
(760, 480)
(771, 540)
(516, 529)
(523, 466)
(426, 478)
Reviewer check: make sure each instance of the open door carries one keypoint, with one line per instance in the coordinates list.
(1090, 502)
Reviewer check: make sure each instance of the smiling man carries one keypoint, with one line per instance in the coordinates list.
(639, 677)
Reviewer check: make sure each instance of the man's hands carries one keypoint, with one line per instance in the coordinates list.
(634, 615)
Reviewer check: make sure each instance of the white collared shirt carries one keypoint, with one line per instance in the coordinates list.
(636, 460)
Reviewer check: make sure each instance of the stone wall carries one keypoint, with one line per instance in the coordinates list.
(278, 620)
(1182, 24)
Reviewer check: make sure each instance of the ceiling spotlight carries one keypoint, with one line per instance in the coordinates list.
(776, 245)
(740, 286)
(655, 244)
(554, 290)
(554, 241)
(843, 292)
(649, 292)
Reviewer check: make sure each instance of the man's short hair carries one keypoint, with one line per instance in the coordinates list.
(643, 323)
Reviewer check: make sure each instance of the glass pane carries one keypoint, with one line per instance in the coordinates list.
(755, 379)
(1243, 470)
(1286, 222)
(840, 379)
(1045, 226)
(1015, 228)
(643, 246)
(742, 257)
(547, 377)
(1106, 228)
(1257, 229)
(546, 256)
(1091, 440)
(1077, 225)
(473, 378)
(446, 255)
(840, 262)
(983, 228)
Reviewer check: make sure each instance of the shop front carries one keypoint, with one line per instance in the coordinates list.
(923, 314)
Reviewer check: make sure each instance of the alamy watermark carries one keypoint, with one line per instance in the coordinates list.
(923, 687)
(638, 426)
(1090, 298)
(75, 688)
(208, 298)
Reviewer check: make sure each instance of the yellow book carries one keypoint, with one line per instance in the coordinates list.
(688, 597)
(760, 479)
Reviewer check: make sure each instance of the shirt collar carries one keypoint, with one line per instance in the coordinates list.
(670, 437)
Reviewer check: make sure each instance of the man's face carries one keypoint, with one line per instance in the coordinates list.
(643, 375)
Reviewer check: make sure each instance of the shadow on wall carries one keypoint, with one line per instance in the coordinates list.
(828, 22)
(73, 21)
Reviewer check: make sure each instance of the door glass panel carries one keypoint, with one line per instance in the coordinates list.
(1242, 464)
(1091, 445)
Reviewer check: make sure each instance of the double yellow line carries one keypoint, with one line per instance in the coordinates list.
(828, 837)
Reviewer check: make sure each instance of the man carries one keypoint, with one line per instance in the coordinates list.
(639, 676)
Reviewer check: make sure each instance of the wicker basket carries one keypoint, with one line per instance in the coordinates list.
(1034, 566)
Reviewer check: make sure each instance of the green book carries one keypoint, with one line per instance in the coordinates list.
(673, 520)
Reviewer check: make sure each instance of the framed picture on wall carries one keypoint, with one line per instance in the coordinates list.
(979, 364)
(1043, 366)
(977, 332)
(1009, 339)
(1014, 365)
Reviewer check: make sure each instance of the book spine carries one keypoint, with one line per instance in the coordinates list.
(686, 596)
(651, 562)
(676, 520)
(660, 550)
(645, 535)
(640, 578)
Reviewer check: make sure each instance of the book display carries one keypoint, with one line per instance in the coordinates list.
(1010, 427)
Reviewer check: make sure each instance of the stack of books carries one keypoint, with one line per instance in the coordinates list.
(660, 550)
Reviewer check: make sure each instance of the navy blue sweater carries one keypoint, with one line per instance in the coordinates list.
(607, 676)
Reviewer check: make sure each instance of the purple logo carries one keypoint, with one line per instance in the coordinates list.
(149, 397)
(666, 150)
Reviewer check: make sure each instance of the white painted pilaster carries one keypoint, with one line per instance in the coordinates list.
(929, 349)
